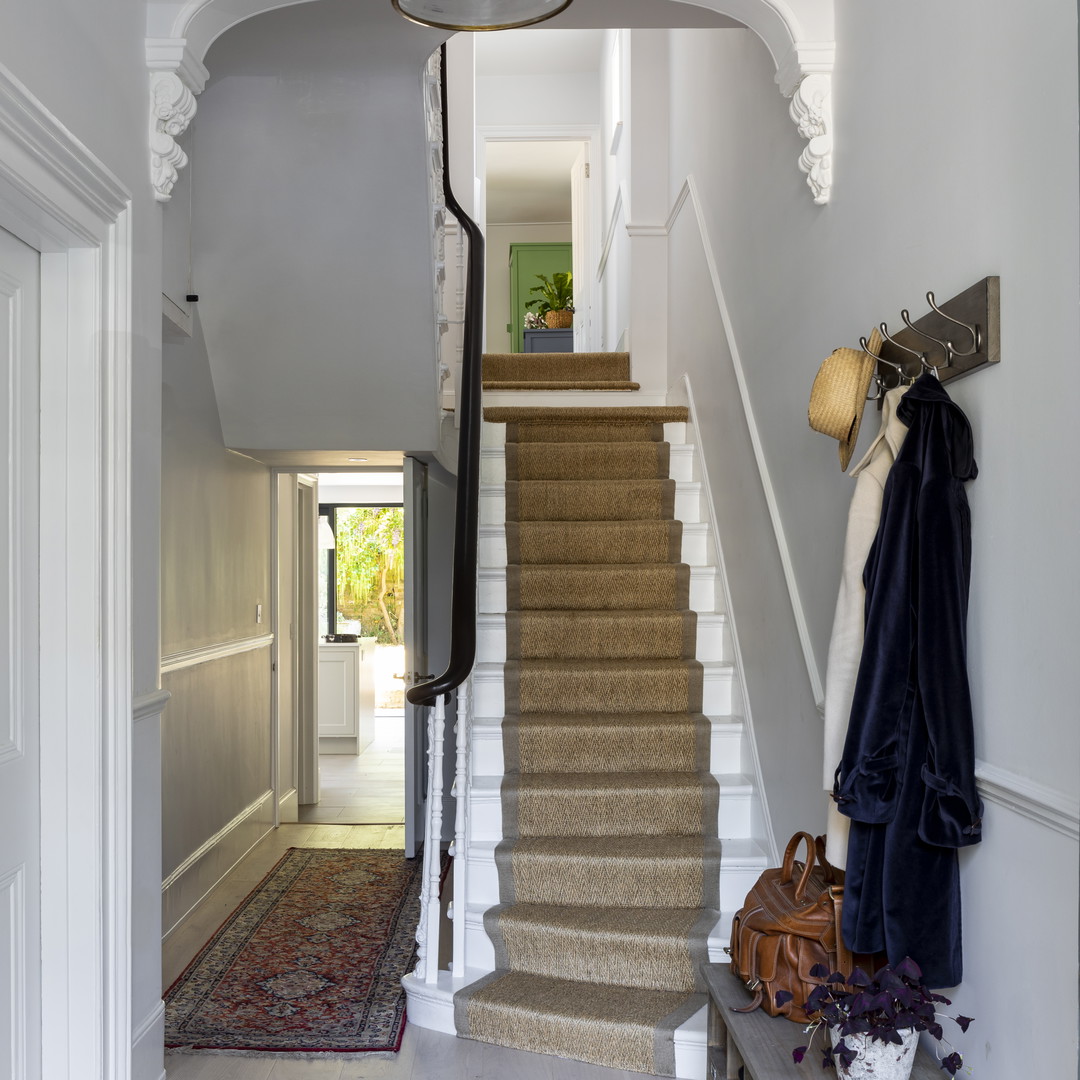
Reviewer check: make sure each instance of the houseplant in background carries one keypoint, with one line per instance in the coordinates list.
(555, 304)
(874, 1023)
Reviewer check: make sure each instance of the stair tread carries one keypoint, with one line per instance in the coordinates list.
(741, 851)
(608, 664)
(561, 384)
(612, 414)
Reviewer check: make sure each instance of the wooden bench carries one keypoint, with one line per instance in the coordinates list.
(756, 1046)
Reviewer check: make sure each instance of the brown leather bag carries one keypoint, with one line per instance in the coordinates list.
(787, 925)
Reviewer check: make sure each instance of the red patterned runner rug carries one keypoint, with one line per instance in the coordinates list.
(311, 962)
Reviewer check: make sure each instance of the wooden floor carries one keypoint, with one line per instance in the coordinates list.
(425, 1055)
(364, 788)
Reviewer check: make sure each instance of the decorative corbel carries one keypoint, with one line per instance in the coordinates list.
(811, 111)
(175, 78)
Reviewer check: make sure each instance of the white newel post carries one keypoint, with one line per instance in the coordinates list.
(461, 788)
(427, 931)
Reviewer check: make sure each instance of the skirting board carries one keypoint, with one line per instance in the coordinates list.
(147, 1045)
(189, 884)
(289, 807)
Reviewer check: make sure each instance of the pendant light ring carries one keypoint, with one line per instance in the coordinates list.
(429, 13)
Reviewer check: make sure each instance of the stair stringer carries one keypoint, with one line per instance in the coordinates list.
(761, 824)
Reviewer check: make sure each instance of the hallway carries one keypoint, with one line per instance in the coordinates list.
(425, 1055)
(366, 788)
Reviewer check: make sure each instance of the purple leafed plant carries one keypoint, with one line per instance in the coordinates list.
(894, 1000)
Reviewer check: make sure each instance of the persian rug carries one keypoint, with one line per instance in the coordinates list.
(311, 962)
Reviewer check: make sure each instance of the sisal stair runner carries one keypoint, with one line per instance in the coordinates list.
(609, 863)
(557, 371)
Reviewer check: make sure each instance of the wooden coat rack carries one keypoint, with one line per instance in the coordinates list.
(957, 337)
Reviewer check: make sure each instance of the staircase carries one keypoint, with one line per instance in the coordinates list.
(609, 814)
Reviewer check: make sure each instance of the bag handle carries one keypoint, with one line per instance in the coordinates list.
(789, 863)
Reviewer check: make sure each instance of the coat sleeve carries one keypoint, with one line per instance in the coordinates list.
(952, 810)
(866, 787)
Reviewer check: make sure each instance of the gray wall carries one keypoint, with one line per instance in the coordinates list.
(215, 570)
(312, 230)
(956, 136)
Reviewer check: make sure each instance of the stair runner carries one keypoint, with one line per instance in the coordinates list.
(609, 866)
(557, 371)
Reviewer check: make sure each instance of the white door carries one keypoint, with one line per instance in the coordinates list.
(20, 841)
(416, 650)
(579, 235)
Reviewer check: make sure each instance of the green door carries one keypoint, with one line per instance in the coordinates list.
(526, 261)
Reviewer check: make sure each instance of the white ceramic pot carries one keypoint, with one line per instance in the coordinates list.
(878, 1060)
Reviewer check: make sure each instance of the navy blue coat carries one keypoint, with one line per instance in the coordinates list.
(907, 776)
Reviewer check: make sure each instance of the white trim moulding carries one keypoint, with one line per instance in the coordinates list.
(609, 233)
(219, 651)
(146, 706)
(265, 799)
(1044, 805)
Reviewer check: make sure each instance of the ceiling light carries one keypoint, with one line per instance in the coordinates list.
(479, 14)
(358, 459)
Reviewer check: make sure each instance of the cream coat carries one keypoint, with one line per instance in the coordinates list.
(845, 646)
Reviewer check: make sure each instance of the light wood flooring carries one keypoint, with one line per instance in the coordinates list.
(364, 788)
(425, 1055)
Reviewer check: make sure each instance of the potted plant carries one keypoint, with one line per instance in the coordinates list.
(874, 1023)
(555, 304)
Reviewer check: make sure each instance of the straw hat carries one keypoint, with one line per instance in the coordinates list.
(838, 396)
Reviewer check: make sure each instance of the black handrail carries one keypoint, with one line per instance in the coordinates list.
(466, 528)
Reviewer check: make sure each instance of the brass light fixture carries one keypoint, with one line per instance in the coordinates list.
(479, 14)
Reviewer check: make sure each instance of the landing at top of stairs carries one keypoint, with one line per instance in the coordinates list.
(558, 371)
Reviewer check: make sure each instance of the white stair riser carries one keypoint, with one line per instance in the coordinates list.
(487, 749)
(491, 591)
(493, 503)
(712, 639)
(695, 546)
(495, 434)
(489, 700)
(485, 814)
(493, 464)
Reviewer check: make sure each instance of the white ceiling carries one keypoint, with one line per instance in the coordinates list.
(529, 181)
(360, 479)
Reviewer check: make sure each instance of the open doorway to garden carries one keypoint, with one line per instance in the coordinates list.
(361, 617)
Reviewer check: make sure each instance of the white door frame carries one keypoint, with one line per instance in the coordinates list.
(586, 133)
(58, 198)
(307, 643)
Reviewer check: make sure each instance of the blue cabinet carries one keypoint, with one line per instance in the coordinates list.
(549, 340)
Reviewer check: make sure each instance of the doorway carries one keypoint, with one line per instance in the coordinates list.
(359, 619)
(537, 199)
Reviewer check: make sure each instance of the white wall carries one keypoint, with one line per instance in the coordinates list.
(312, 230)
(614, 269)
(85, 63)
(956, 135)
(524, 100)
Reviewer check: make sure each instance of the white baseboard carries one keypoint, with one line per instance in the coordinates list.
(147, 1046)
(289, 807)
(190, 882)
